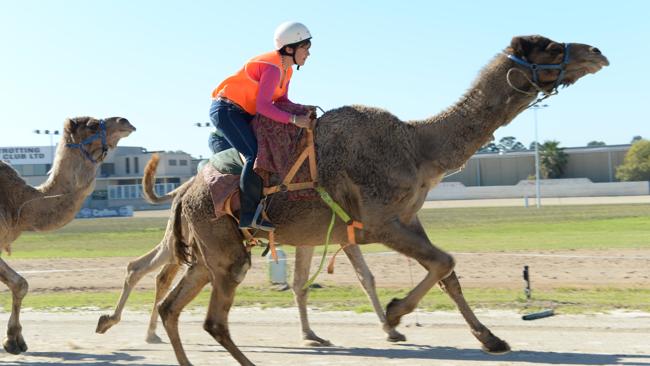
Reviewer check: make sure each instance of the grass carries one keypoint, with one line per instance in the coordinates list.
(455, 229)
(485, 229)
(567, 301)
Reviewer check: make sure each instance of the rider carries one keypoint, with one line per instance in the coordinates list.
(262, 80)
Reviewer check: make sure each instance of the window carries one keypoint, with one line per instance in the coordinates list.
(107, 169)
(127, 166)
(183, 162)
(136, 165)
(172, 162)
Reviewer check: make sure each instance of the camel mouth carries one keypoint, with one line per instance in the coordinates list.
(585, 68)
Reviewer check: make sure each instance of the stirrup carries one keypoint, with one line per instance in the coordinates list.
(258, 220)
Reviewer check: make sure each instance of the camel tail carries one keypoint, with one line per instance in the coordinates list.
(181, 247)
(149, 179)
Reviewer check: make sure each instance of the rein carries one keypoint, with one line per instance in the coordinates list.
(100, 134)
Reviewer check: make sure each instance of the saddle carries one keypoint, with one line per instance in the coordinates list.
(282, 152)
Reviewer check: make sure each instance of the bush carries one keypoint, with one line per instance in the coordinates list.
(636, 166)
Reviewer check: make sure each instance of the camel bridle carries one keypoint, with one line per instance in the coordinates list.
(535, 68)
(100, 134)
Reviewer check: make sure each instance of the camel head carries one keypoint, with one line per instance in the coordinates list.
(94, 137)
(555, 63)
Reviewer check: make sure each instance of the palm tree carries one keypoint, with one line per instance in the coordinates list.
(553, 159)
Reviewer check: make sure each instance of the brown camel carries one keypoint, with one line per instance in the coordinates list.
(83, 146)
(163, 255)
(379, 169)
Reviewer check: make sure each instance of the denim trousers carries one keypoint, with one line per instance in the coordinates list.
(235, 126)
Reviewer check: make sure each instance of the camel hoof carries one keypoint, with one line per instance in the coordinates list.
(310, 339)
(395, 336)
(15, 346)
(315, 343)
(496, 347)
(105, 323)
(392, 320)
(153, 339)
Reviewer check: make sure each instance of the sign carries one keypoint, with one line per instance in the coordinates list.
(88, 213)
(27, 155)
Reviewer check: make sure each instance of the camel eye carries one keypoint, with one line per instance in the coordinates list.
(595, 50)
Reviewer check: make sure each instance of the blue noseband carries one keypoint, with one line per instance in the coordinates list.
(101, 134)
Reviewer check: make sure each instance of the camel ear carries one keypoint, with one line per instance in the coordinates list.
(554, 48)
(70, 125)
(521, 46)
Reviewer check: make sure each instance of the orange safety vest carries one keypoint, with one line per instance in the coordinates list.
(242, 89)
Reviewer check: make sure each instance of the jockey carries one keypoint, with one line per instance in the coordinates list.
(262, 80)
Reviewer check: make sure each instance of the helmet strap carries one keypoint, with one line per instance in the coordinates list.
(294, 59)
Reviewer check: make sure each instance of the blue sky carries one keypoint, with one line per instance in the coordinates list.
(156, 62)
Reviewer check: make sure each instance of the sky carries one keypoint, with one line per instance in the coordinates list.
(156, 62)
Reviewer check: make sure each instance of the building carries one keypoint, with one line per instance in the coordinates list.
(597, 164)
(119, 178)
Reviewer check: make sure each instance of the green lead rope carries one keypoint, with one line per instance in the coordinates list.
(336, 211)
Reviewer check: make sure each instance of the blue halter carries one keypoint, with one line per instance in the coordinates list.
(101, 134)
(536, 67)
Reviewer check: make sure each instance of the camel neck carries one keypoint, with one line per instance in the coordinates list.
(450, 138)
(56, 202)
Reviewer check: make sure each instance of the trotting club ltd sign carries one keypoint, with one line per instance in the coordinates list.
(26, 155)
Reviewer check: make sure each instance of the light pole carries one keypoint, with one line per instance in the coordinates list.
(202, 124)
(538, 195)
(51, 134)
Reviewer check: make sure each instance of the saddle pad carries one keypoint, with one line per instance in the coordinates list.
(222, 186)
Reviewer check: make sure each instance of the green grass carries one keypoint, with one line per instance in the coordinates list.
(353, 299)
(486, 229)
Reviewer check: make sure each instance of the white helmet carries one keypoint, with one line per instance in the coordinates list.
(290, 33)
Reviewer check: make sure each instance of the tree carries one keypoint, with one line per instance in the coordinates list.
(636, 165)
(552, 159)
(506, 144)
(490, 147)
(596, 143)
(510, 143)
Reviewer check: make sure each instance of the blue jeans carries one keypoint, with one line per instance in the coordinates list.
(234, 124)
(217, 142)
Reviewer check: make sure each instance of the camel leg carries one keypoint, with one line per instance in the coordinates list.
(368, 284)
(411, 240)
(304, 255)
(135, 270)
(491, 343)
(164, 281)
(14, 342)
(216, 322)
(170, 309)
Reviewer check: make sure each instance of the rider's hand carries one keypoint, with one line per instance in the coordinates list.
(311, 111)
(304, 121)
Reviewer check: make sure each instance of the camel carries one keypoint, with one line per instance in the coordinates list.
(379, 170)
(163, 255)
(83, 146)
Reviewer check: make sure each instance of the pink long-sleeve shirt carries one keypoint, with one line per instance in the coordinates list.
(268, 77)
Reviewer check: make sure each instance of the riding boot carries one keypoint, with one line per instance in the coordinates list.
(251, 207)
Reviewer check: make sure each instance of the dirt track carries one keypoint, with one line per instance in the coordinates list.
(270, 337)
(607, 268)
